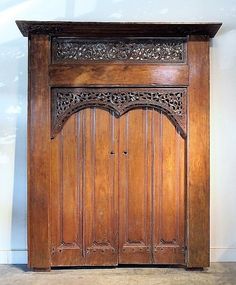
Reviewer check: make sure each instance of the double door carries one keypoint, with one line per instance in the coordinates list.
(117, 190)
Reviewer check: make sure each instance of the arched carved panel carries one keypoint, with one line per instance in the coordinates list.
(67, 101)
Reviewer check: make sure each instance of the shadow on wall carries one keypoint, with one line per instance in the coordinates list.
(19, 201)
(13, 90)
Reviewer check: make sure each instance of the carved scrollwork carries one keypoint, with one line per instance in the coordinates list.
(163, 241)
(132, 50)
(67, 101)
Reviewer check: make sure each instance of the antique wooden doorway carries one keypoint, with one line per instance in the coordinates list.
(118, 143)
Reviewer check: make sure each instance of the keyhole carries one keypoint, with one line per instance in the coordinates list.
(125, 152)
(112, 152)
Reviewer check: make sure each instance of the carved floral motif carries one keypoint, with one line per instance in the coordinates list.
(140, 50)
(66, 101)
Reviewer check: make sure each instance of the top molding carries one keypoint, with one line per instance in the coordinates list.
(117, 29)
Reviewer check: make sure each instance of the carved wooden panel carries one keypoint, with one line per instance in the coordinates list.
(66, 101)
(131, 50)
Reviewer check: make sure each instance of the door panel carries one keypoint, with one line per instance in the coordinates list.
(84, 190)
(66, 196)
(100, 187)
(168, 192)
(152, 183)
(135, 187)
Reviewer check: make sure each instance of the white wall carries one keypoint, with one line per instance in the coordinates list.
(13, 94)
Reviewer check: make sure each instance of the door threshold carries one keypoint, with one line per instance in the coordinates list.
(120, 266)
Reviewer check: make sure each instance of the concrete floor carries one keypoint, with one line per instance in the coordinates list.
(218, 273)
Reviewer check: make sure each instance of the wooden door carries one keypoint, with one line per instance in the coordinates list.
(84, 217)
(117, 189)
(151, 189)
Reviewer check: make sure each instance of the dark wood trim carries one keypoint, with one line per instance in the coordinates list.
(38, 153)
(115, 29)
(198, 184)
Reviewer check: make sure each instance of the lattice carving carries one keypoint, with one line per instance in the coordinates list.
(132, 50)
(67, 101)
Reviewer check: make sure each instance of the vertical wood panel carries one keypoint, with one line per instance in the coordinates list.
(157, 182)
(56, 190)
(169, 182)
(38, 153)
(80, 182)
(123, 186)
(101, 224)
(67, 195)
(134, 187)
(181, 239)
(149, 181)
(198, 154)
(136, 202)
(69, 182)
(88, 178)
(168, 192)
(103, 171)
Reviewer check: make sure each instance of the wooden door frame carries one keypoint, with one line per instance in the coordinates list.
(38, 154)
(198, 155)
(197, 150)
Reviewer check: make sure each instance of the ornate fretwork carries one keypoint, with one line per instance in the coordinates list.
(66, 101)
(132, 50)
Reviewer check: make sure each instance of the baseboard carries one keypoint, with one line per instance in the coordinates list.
(223, 254)
(20, 256)
(13, 256)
